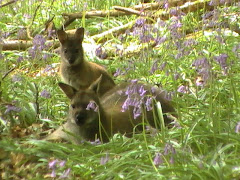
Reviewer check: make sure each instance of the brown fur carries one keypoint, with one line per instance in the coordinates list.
(109, 116)
(74, 69)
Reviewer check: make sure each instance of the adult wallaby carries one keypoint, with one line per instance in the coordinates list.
(124, 109)
(74, 68)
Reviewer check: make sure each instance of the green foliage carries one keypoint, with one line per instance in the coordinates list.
(202, 144)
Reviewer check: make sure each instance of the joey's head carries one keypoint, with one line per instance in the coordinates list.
(85, 107)
(71, 46)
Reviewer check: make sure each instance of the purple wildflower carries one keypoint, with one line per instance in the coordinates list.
(158, 159)
(48, 68)
(20, 59)
(148, 104)
(142, 91)
(104, 160)
(182, 89)
(140, 22)
(53, 164)
(53, 173)
(237, 130)
(11, 108)
(203, 68)
(118, 72)
(171, 161)
(16, 78)
(100, 52)
(39, 42)
(62, 163)
(21, 34)
(92, 105)
(236, 49)
(38, 46)
(137, 112)
(222, 60)
(45, 94)
(163, 65)
(169, 149)
(65, 173)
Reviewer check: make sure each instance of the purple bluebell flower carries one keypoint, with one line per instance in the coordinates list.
(171, 161)
(104, 160)
(62, 163)
(169, 149)
(47, 68)
(53, 164)
(12, 108)
(92, 105)
(237, 129)
(100, 52)
(65, 174)
(20, 59)
(203, 68)
(140, 22)
(137, 111)
(53, 173)
(163, 65)
(182, 89)
(45, 94)
(16, 78)
(158, 159)
(141, 91)
(148, 104)
(21, 34)
(118, 72)
(222, 60)
(236, 49)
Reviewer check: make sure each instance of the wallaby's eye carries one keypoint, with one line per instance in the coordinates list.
(76, 50)
(73, 106)
(65, 50)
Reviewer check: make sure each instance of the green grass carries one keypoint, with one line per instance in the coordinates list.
(205, 146)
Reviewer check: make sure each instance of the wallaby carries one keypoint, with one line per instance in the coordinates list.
(74, 68)
(106, 116)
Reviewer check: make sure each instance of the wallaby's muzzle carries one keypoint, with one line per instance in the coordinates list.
(80, 118)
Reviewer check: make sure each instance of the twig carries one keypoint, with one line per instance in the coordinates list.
(127, 10)
(8, 3)
(7, 73)
(104, 35)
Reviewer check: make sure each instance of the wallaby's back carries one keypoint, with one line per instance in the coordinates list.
(74, 69)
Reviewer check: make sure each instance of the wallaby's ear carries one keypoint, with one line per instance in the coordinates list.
(62, 36)
(79, 34)
(96, 84)
(68, 90)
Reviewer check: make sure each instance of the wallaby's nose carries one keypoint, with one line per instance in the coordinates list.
(80, 119)
(71, 60)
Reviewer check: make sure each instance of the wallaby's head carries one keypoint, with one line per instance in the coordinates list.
(71, 46)
(85, 106)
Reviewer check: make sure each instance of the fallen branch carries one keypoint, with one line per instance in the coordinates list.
(101, 37)
(70, 17)
(8, 3)
(22, 44)
(127, 10)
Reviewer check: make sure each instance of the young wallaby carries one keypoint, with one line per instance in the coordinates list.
(91, 117)
(74, 68)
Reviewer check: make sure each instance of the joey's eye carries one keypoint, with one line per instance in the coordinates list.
(65, 50)
(76, 50)
(73, 106)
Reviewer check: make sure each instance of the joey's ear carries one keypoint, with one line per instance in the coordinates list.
(79, 34)
(68, 90)
(96, 84)
(62, 36)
